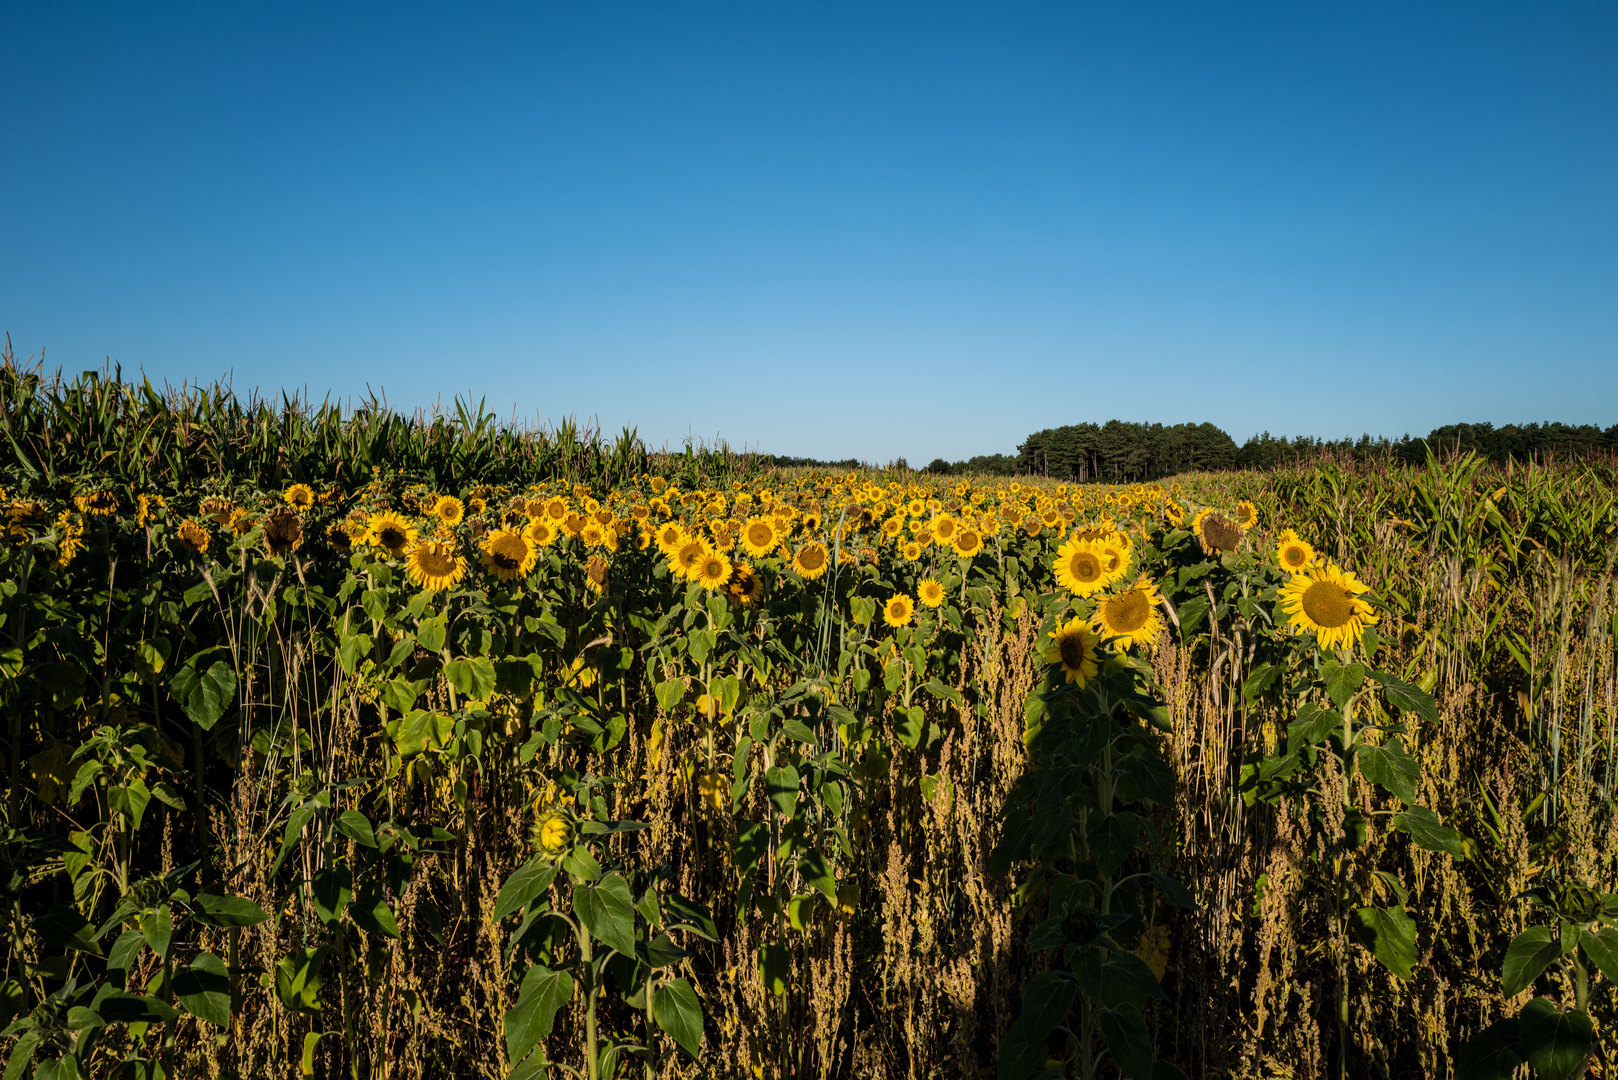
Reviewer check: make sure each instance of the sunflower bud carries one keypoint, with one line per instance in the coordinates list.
(554, 833)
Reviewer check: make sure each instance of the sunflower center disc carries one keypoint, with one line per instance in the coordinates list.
(1127, 613)
(1328, 604)
(1072, 650)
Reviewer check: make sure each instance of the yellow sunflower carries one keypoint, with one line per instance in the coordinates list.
(912, 551)
(968, 542)
(1325, 600)
(1117, 547)
(194, 536)
(669, 537)
(759, 537)
(745, 584)
(892, 527)
(690, 552)
(1127, 617)
(508, 554)
(899, 610)
(390, 532)
(712, 571)
(1246, 515)
(1216, 533)
(810, 560)
(930, 592)
(1293, 553)
(1076, 647)
(299, 496)
(593, 534)
(99, 503)
(448, 509)
(1082, 567)
(540, 532)
(434, 565)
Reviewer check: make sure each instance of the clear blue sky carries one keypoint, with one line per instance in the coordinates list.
(832, 230)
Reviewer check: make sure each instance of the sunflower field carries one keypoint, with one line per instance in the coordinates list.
(360, 745)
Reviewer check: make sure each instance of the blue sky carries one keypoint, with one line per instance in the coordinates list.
(832, 230)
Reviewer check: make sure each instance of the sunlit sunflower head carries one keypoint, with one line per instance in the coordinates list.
(194, 536)
(759, 537)
(893, 526)
(448, 509)
(669, 537)
(911, 551)
(658, 484)
(691, 551)
(1325, 600)
(390, 532)
(1246, 514)
(1128, 617)
(596, 573)
(899, 610)
(1081, 567)
(968, 542)
(299, 496)
(508, 554)
(916, 508)
(556, 509)
(712, 571)
(1216, 532)
(746, 586)
(1116, 546)
(811, 560)
(216, 510)
(1076, 647)
(283, 531)
(1293, 553)
(930, 592)
(540, 532)
(435, 564)
(593, 534)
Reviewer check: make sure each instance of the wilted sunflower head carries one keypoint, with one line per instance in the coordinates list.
(1216, 533)
(283, 531)
(337, 536)
(596, 575)
(99, 503)
(194, 536)
(1246, 514)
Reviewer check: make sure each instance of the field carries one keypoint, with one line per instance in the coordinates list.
(359, 744)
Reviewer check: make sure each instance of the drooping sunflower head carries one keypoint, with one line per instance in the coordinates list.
(596, 575)
(1076, 648)
(508, 554)
(283, 531)
(337, 536)
(1293, 553)
(299, 496)
(435, 564)
(746, 586)
(98, 503)
(1246, 514)
(194, 536)
(899, 610)
(712, 571)
(1325, 600)
(390, 532)
(1216, 533)
(1082, 567)
(240, 523)
(1128, 617)
(216, 510)
(930, 592)
(448, 509)
(759, 537)
(811, 560)
(968, 542)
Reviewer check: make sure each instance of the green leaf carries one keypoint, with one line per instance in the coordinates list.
(1429, 833)
(204, 695)
(1111, 838)
(1528, 955)
(1556, 1043)
(297, 979)
(1312, 726)
(781, 785)
(796, 729)
(544, 991)
(1341, 682)
(1133, 972)
(1390, 934)
(1045, 1004)
(607, 910)
(225, 911)
(1407, 698)
(355, 826)
(130, 800)
(1493, 1053)
(203, 988)
(678, 1012)
(529, 881)
(10, 1000)
(1601, 946)
(65, 928)
(1390, 766)
(473, 677)
(1262, 678)
(22, 1054)
(121, 1008)
(333, 889)
(158, 929)
(371, 912)
(353, 652)
(818, 875)
(775, 967)
(1131, 1044)
(1152, 775)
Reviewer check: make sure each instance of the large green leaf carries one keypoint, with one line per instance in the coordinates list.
(203, 988)
(1529, 954)
(1556, 1043)
(297, 979)
(818, 875)
(204, 695)
(1407, 698)
(781, 785)
(1111, 838)
(1152, 775)
(225, 911)
(1493, 1053)
(543, 993)
(1428, 831)
(1312, 725)
(521, 888)
(608, 912)
(1128, 1039)
(473, 676)
(371, 912)
(333, 889)
(677, 1011)
(1341, 681)
(1045, 1004)
(1601, 946)
(1392, 767)
(1390, 934)
(65, 928)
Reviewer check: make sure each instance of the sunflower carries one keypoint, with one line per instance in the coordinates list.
(892, 527)
(1116, 546)
(508, 554)
(596, 575)
(1128, 618)
(712, 571)
(476, 505)
(1292, 552)
(669, 537)
(299, 496)
(99, 503)
(1075, 646)
(968, 542)
(434, 564)
(216, 510)
(283, 532)
(810, 560)
(194, 536)
(540, 532)
(72, 541)
(685, 559)
(759, 537)
(337, 536)
(1216, 533)
(593, 534)
(745, 584)
(1246, 515)
(658, 483)
(143, 508)
(390, 532)
(240, 524)
(556, 509)
(448, 509)
(899, 610)
(1325, 600)
(1082, 567)
(930, 592)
